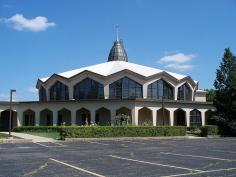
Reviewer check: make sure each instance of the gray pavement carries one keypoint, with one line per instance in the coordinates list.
(119, 158)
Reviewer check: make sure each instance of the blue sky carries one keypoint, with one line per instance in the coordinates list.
(39, 38)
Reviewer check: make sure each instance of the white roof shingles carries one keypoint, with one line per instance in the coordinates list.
(108, 68)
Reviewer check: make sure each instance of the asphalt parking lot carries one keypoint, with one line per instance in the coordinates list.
(200, 157)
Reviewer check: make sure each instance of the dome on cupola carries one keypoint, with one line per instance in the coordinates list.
(117, 52)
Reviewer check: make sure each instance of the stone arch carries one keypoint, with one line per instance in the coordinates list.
(46, 118)
(83, 117)
(125, 111)
(195, 118)
(4, 120)
(103, 116)
(180, 117)
(163, 117)
(64, 116)
(29, 118)
(145, 116)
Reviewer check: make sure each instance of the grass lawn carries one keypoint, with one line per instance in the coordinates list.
(3, 136)
(54, 135)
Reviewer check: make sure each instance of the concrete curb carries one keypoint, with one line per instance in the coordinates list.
(3, 141)
(133, 138)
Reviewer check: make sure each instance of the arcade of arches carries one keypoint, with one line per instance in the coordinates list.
(104, 116)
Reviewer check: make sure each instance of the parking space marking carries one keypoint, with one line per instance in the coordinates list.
(94, 142)
(24, 147)
(126, 141)
(152, 163)
(57, 145)
(201, 172)
(41, 144)
(197, 156)
(77, 168)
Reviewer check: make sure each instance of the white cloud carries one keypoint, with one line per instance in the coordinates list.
(177, 58)
(20, 23)
(180, 67)
(4, 96)
(32, 90)
(178, 61)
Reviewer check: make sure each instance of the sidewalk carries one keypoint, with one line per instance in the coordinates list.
(29, 137)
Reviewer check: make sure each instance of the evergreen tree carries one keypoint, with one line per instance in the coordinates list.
(210, 95)
(225, 94)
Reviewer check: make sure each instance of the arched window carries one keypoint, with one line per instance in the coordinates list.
(88, 89)
(59, 91)
(185, 92)
(125, 88)
(160, 89)
(42, 94)
(195, 118)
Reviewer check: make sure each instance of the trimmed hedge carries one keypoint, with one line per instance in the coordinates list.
(121, 131)
(209, 130)
(37, 129)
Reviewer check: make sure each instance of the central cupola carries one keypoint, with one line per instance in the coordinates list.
(117, 52)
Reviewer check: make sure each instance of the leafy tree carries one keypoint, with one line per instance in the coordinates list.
(210, 95)
(225, 94)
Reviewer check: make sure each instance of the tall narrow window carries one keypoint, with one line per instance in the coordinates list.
(88, 89)
(160, 89)
(59, 91)
(125, 88)
(42, 94)
(195, 118)
(185, 92)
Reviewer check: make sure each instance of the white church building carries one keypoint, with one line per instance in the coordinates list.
(96, 94)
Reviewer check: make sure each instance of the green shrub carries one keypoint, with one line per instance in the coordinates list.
(192, 129)
(209, 130)
(121, 131)
(212, 129)
(37, 129)
(203, 131)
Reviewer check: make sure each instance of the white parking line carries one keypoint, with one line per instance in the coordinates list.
(77, 168)
(131, 142)
(57, 145)
(197, 156)
(24, 147)
(41, 144)
(94, 142)
(152, 163)
(201, 172)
